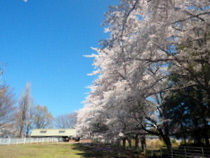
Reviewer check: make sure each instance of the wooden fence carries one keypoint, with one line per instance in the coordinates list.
(10, 141)
(182, 152)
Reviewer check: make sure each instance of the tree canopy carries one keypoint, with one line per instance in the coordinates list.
(151, 44)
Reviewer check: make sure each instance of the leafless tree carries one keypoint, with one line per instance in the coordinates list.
(66, 120)
(23, 119)
(41, 117)
(6, 107)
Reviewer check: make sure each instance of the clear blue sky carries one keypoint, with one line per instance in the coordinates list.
(43, 42)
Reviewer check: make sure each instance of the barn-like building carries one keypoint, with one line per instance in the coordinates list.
(65, 134)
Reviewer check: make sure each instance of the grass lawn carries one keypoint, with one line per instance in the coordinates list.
(61, 150)
(65, 150)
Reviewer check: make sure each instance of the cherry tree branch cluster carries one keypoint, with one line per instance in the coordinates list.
(149, 41)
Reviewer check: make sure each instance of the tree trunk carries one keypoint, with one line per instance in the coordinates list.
(124, 142)
(21, 131)
(206, 139)
(166, 139)
(129, 143)
(205, 131)
(136, 141)
(185, 140)
(118, 142)
(143, 143)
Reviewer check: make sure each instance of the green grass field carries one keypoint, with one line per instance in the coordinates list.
(40, 151)
(64, 150)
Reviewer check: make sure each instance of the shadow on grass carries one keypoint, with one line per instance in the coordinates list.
(93, 150)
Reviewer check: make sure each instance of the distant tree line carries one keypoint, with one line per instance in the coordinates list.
(19, 118)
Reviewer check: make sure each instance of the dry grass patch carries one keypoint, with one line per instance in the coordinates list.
(154, 144)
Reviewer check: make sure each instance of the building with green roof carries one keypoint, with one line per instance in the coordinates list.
(66, 134)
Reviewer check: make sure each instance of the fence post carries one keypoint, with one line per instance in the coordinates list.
(202, 152)
(152, 154)
(172, 155)
(185, 152)
(8, 141)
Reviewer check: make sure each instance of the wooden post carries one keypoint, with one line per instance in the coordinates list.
(202, 152)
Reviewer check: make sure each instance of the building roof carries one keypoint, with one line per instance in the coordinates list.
(53, 133)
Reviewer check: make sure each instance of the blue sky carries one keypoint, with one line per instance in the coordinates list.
(43, 42)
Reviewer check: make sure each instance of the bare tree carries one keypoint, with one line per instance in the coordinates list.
(23, 114)
(42, 118)
(6, 107)
(66, 120)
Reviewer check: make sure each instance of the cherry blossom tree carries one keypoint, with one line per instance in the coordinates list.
(149, 42)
